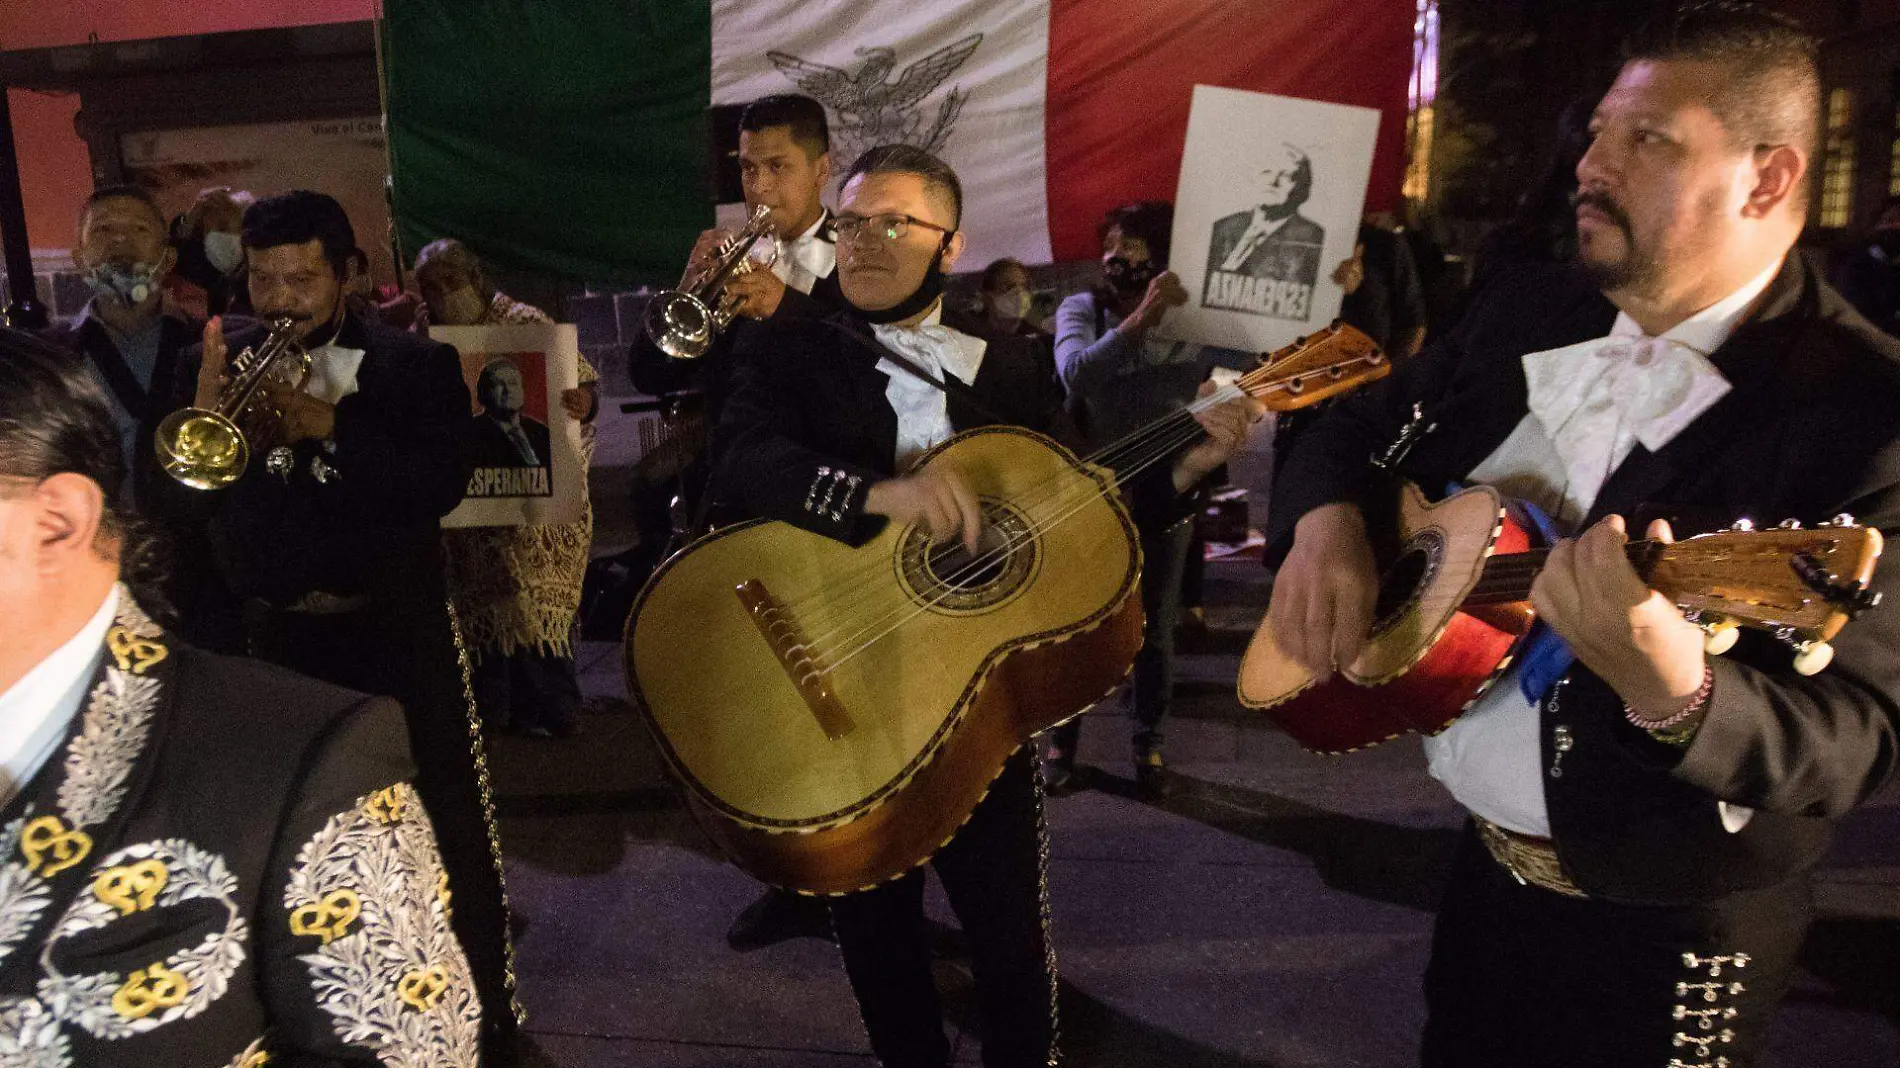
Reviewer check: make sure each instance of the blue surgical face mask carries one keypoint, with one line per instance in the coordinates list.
(127, 284)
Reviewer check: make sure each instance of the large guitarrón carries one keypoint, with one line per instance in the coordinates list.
(806, 791)
(836, 713)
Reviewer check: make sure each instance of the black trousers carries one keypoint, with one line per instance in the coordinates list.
(1164, 557)
(527, 689)
(992, 871)
(408, 652)
(1526, 978)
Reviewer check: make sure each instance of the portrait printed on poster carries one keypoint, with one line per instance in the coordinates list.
(525, 447)
(1270, 196)
(513, 457)
(1265, 259)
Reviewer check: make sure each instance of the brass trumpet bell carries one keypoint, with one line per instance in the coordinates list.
(202, 449)
(209, 449)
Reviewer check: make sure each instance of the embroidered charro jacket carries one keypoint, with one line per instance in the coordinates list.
(224, 864)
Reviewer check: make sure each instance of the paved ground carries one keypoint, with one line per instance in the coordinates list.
(1275, 913)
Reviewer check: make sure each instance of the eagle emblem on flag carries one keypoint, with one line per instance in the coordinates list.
(872, 109)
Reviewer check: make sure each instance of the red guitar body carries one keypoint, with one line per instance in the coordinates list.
(1426, 662)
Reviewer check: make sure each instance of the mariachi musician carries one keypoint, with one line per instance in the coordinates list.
(784, 166)
(1633, 884)
(204, 860)
(332, 534)
(817, 414)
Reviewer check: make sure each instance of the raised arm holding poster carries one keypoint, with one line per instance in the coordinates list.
(528, 464)
(1271, 192)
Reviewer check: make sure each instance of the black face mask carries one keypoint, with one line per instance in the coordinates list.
(1128, 279)
(927, 293)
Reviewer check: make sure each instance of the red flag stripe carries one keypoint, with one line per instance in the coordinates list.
(1122, 72)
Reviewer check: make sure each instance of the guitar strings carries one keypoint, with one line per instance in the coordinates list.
(1067, 500)
(1162, 438)
(842, 593)
(1261, 380)
(1089, 494)
(919, 609)
(873, 573)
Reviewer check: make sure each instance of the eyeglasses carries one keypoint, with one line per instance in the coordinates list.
(888, 227)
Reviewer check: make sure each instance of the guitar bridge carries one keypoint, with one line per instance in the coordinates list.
(790, 649)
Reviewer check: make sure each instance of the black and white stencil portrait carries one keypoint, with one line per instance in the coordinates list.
(1271, 192)
(1265, 260)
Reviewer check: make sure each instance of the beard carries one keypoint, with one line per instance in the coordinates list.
(1636, 270)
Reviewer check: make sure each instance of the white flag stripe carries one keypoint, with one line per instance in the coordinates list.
(966, 79)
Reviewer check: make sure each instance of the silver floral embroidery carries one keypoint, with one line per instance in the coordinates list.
(113, 732)
(30, 1036)
(191, 874)
(397, 943)
(101, 758)
(23, 895)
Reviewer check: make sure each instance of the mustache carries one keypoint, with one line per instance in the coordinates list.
(1601, 202)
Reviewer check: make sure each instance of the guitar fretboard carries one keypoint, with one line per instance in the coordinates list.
(1507, 578)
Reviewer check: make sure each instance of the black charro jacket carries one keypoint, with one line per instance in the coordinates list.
(1811, 429)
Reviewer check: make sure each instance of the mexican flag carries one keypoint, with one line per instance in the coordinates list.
(593, 138)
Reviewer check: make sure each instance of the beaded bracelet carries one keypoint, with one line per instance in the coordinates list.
(1697, 704)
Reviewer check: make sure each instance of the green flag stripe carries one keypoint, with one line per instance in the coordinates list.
(562, 136)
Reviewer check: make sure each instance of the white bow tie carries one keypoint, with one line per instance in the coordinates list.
(1649, 387)
(1597, 399)
(932, 346)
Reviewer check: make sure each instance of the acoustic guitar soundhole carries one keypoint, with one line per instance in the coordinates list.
(1407, 579)
(950, 578)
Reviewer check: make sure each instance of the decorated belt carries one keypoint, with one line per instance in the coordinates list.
(1531, 860)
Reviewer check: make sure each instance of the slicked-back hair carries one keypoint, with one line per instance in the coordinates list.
(938, 176)
(802, 115)
(1150, 220)
(54, 419)
(122, 192)
(299, 216)
(1771, 94)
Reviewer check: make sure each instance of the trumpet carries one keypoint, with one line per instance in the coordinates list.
(210, 448)
(683, 322)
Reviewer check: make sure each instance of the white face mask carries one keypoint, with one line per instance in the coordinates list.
(1011, 305)
(224, 250)
(462, 307)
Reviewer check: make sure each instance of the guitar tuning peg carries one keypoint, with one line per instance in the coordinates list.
(1842, 520)
(1790, 524)
(1744, 525)
(1719, 634)
(1811, 658)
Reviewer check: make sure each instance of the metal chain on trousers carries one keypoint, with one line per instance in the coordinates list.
(479, 752)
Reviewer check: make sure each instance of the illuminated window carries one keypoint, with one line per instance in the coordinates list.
(1837, 175)
(1893, 159)
(1424, 93)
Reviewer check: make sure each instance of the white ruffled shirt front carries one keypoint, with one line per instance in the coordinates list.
(1590, 405)
(803, 260)
(923, 410)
